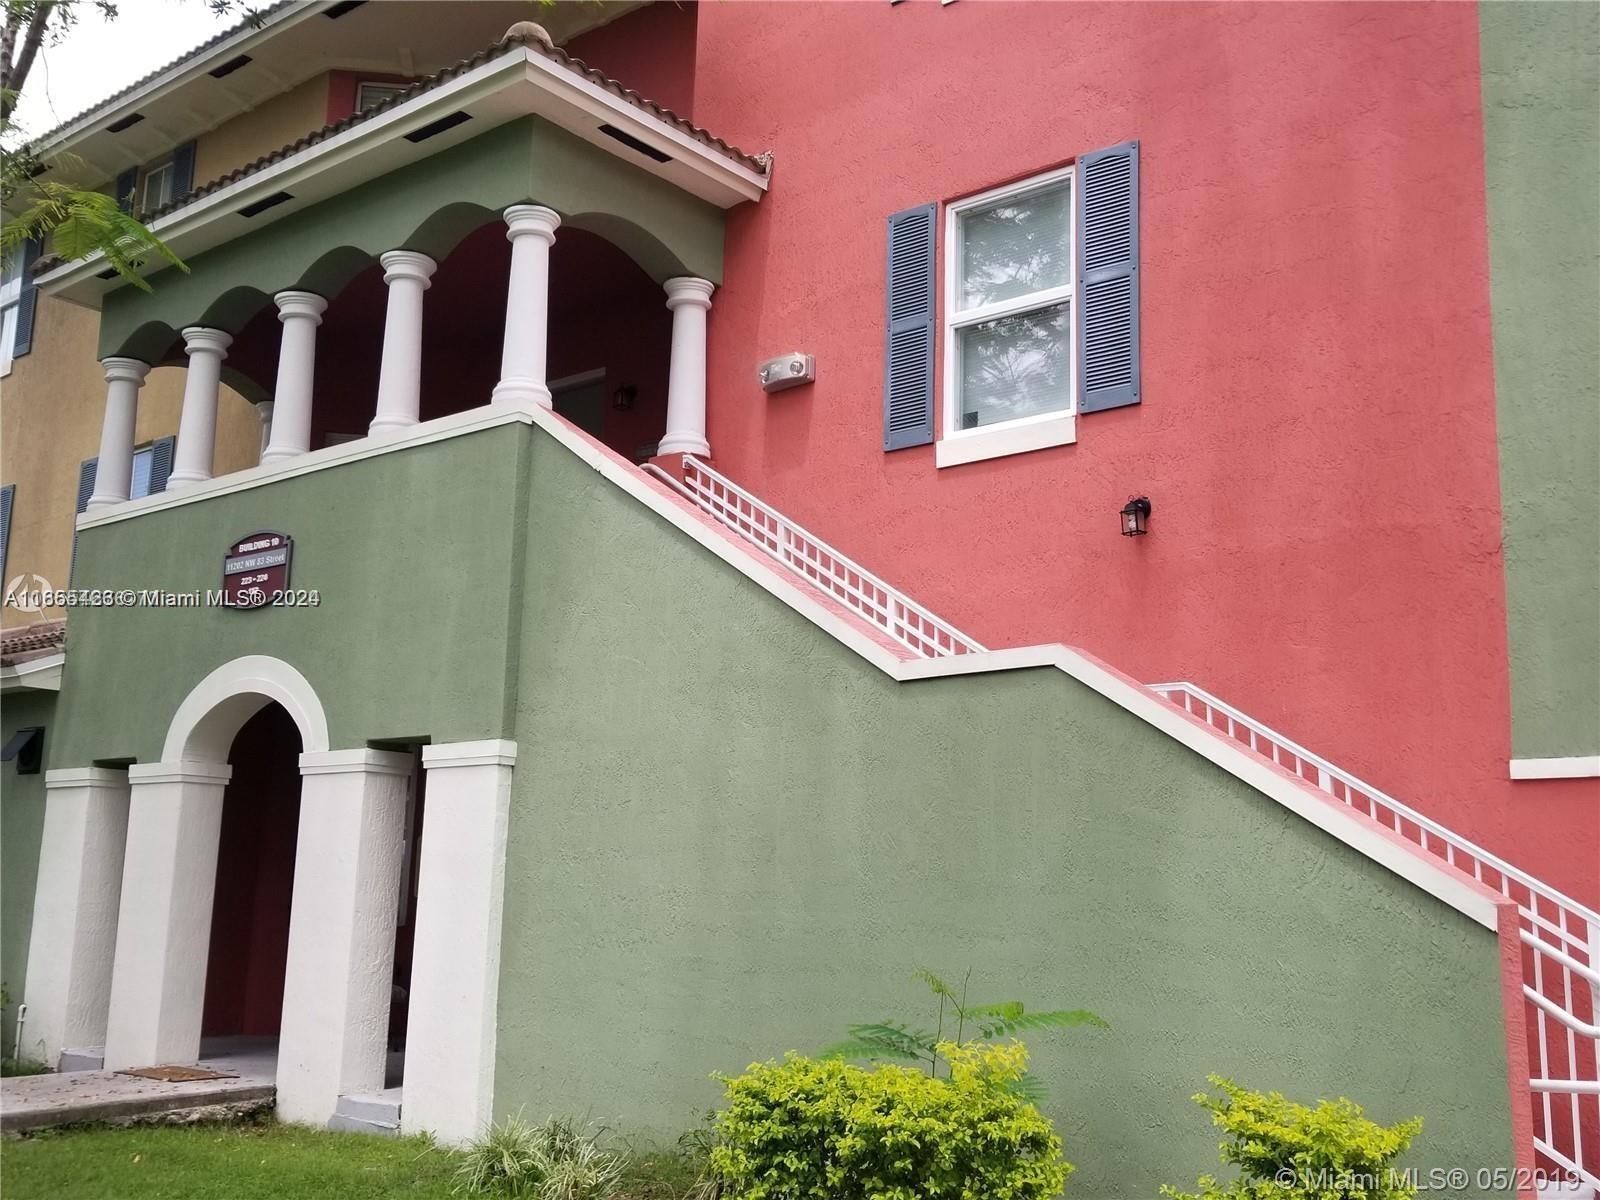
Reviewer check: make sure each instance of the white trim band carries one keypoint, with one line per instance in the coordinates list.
(493, 752)
(359, 760)
(183, 771)
(1579, 766)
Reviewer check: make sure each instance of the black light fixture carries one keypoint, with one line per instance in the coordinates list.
(622, 399)
(1135, 515)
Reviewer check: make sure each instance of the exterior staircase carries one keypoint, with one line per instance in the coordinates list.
(1560, 937)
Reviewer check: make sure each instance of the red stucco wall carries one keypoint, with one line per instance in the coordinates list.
(1317, 434)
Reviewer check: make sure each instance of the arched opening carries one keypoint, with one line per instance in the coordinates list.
(249, 943)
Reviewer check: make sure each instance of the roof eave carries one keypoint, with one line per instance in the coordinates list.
(512, 85)
(273, 22)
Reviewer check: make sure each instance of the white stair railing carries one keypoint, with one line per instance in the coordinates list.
(1560, 939)
(819, 564)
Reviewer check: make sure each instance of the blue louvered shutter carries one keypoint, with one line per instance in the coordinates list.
(182, 170)
(27, 302)
(127, 184)
(161, 463)
(908, 359)
(1108, 278)
(8, 496)
(86, 471)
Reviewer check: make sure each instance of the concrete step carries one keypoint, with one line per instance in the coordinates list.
(377, 1114)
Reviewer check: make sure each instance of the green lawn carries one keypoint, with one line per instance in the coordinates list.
(221, 1162)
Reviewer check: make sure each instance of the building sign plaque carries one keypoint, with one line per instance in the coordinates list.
(256, 569)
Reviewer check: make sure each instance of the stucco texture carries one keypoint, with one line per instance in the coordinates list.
(1317, 426)
(51, 408)
(730, 837)
(412, 553)
(1541, 113)
(21, 827)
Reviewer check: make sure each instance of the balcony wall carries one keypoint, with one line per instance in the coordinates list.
(415, 554)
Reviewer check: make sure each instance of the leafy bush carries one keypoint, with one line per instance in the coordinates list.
(895, 1041)
(1286, 1151)
(554, 1161)
(824, 1129)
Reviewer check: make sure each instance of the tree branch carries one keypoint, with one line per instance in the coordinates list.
(17, 73)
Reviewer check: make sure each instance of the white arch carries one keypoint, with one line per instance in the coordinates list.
(205, 723)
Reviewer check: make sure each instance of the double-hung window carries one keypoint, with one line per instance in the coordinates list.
(157, 187)
(1009, 359)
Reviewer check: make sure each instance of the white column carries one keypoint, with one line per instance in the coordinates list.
(113, 476)
(197, 426)
(290, 415)
(169, 873)
(400, 374)
(341, 930)
(264, 415)
(690, 300)
(455, 962)
(531, 230)
(75, 904)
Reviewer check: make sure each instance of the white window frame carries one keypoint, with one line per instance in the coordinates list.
(148, 450)
(389, 87)
(10, 299)
(1040, 430)
(167, 167)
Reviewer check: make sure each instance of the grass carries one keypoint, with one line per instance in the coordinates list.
(11, 1067)
(222, 1162)
(267, 1160)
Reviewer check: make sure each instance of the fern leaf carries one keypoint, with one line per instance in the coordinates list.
(1009, 1010)
(916, 1041)
(1030, 1088)
(1048, 1020)
(936, 985)
(854, 1051)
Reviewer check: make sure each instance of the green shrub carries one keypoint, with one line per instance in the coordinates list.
(554, 1161)
(1286, 1151)
(824, 1129)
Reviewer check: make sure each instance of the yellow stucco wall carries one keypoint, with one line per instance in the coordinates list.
(50, 409)
(267, 127)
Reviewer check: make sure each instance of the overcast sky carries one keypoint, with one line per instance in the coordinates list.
(100, 57)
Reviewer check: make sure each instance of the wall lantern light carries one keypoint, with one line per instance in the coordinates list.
(622, 399)
(1135, 515)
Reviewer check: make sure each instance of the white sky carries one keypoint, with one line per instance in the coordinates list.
(99, 57)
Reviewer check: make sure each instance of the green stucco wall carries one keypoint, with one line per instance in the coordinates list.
(415, 555)
(731, 837)
(428, 206)
(21, 825)
(1541, 107)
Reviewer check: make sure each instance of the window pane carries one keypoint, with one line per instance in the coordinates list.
(157, 187)
(1014, 367)
(370, 95)
(141, 472)
(1015, 247)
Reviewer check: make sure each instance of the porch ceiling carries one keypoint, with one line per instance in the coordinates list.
(517, 78)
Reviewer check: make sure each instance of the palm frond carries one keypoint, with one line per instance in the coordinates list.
(937, 986)
(885, 1041)
(78, 223)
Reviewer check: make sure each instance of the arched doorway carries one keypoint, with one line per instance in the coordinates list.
(248, 721)
(248, 952)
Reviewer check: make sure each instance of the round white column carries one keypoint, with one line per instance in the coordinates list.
(113, 476)
(289, 417)
(197, 426)
(690, 300)
(531, 230)
(400, 375)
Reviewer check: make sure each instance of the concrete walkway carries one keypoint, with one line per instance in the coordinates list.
(75, 1097)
